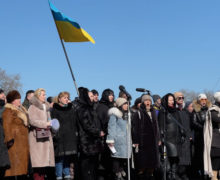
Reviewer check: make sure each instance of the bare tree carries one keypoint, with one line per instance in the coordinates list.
(9, 82)
(192, 95)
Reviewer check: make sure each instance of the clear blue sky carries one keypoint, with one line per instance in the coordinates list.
(161, 45)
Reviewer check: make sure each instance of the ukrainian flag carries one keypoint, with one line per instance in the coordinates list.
(69, 30)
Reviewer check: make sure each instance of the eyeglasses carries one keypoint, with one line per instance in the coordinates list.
(179, 98)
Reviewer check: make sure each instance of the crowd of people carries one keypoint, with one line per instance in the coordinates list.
(108, 139)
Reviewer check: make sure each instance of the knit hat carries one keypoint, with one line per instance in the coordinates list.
(187, 104)
(217, 97)
(156, 97)
(145, 97)
(202, 96)
(12, 95)
(120, 101)
(178, 94)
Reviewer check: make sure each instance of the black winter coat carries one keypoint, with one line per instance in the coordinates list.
(4, 158)
(89, 126)
(185, 153)
(66, 139)
(102, 109)
(169, 128)
(146, 134)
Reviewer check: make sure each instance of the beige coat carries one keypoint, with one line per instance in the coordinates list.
(15, 124)
(42, 153)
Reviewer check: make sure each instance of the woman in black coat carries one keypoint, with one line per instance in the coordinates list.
(89, 135)
(171, 133)
(65, 140)
(146, 138)
(4, 158)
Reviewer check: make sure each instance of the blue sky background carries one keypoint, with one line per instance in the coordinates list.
(162, 45)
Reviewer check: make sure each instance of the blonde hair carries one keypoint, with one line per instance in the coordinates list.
(62, 94)
(37, 93)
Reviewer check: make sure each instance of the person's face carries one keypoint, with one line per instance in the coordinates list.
(125, 107)
(111, 98)
(16, 102)
(139, 105)
(91, 96)
(42, 97)
(190, 108)
(203, 102)
(2, 96)
(29, 96)
(64, 100)
(158, 101)
(96, 97)
(147, 103)
(170, 101)
(180, 100)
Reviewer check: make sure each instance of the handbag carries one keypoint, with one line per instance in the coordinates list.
(42, 133)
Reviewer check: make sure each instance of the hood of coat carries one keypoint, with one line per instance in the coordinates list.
(62, 108)
(164, 103)
(36, 102)
(84, 97)
(21, 112)
(197, 107)
(105, 98)
(115, 111)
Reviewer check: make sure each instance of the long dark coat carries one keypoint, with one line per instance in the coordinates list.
(4, 158)
(185, 153)
(145, 133)
(89, 126)
(65, 140)
(168, 127)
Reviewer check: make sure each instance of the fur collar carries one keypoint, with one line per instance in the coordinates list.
(21, 112)
(61, 108)
(197, 106)
(115, 111)
(36, 102)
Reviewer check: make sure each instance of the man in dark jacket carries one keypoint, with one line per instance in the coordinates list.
(185, 155)
(90, 135)
(4, 158)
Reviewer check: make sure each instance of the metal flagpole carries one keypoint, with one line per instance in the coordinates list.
(67, 58)
(129, 140)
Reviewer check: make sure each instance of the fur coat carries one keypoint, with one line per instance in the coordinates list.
(41, 152)
(15, 124)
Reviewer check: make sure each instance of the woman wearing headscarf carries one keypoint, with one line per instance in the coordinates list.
(171, 132)
(15, 124)
(90, 135)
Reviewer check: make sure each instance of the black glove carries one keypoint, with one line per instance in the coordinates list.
(10, 143)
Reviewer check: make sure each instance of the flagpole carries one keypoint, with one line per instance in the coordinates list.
(67, 58)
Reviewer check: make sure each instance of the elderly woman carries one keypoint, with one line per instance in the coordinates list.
(40, 138)
(119, 139)
(146, 138)
(15, 124)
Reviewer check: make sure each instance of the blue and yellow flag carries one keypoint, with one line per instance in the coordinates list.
(69, 30)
